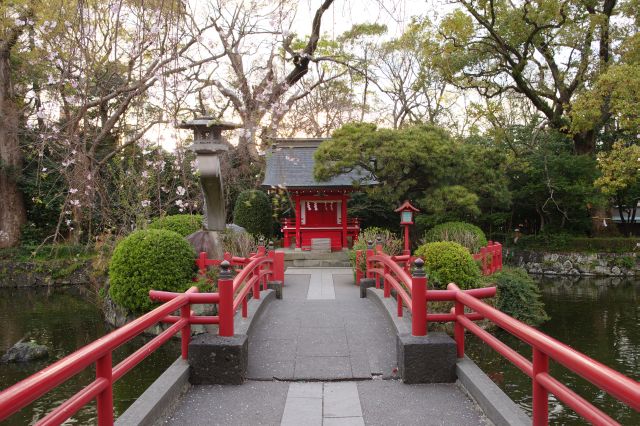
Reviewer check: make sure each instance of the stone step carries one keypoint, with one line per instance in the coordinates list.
(317, 263)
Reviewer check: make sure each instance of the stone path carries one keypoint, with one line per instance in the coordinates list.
(323, 356)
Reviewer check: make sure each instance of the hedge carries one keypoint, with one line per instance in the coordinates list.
(253, 212)
(519, 296)
(183, 224)
(463, 233)
(149, 259)
(448, 262)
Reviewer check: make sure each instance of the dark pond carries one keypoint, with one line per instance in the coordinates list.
(64, 320)
(599, 317)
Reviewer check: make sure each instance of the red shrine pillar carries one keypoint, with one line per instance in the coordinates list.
(344, 221)
(298, 223)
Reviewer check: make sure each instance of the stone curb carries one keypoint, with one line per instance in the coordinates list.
(495, 404)
(159, 398)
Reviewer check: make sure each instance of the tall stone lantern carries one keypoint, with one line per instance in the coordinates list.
(208, 144)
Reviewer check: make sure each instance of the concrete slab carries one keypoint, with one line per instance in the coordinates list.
(305, 390)
(341, 400)
(322, 368)
(390, 402)
(342, 421)
(253, 403)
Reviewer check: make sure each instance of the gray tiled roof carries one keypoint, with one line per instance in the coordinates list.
(290, 164)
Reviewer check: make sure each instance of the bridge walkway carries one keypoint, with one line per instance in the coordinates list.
(324, 356)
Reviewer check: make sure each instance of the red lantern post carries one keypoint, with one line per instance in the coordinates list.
(406, 211)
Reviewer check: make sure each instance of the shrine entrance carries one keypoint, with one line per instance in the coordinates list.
(320, 207)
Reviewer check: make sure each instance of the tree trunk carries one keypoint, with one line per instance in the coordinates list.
(585, 142)
(12, 210)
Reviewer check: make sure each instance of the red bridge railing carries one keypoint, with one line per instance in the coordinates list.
(233, 292)
(490, 258)
(411, 292)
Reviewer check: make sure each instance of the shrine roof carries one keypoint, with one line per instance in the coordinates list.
(290, 164)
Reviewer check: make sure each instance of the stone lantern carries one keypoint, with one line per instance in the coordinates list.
(208, 144)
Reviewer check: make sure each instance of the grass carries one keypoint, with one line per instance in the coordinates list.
(567, 243)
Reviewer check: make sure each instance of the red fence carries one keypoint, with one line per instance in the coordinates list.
(411, 291)
(490, 258)
(233, 292)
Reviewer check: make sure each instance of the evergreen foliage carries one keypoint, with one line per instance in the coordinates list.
(391, 244)
(253, 212)
(519, 296)
(449, 262)
(465, 234)
(183, 224)
(149, 259)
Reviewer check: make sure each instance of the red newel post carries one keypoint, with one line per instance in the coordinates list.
(185, 333)
(225, 306)
(358, 271)
(368, 258)
(105, 398)
(540, 394)
(202, 262)
(483, 257)
(499, 254)
(459, 329)
(419, 300)
(378, 251)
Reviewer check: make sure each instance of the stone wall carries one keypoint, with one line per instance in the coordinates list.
(585, 264)
(44, 273)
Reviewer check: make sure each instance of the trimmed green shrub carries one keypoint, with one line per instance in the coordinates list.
(519, 296)
(463, 233)
(253, 212)
(149, 259)
(448, 262)
(183, 224)
(391, 244)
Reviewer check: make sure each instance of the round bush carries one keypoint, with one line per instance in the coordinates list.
(253, 212)
(463, 233)
(149, 259)
(183, 224)
(448, 262)
(519, 296)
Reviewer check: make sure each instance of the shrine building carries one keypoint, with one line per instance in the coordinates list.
(320, 207)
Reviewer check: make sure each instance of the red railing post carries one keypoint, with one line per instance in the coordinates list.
(369, 274)
(418, 300)
(104, 370)
(378, 250)
(185, 333)
(387, 286)
(492, 260)
(358, 271)
(225, 306)
(540, 394)
(459, 328)
(202, 263)
(483, 258)
(499, 254)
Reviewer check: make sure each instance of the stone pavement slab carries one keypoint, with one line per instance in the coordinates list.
(324, 339)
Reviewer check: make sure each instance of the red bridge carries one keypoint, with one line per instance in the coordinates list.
(313, 353)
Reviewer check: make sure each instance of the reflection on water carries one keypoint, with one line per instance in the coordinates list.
(599, 317)
(64, 321)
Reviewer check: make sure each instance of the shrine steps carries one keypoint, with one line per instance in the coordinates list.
(316, 259)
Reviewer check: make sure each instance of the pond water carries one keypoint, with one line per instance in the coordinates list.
(64, 320)
(599, 317)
